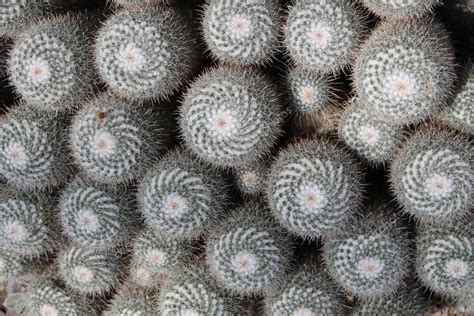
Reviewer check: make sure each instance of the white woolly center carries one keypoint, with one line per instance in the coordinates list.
(156, 257)
(240, 26)
(143, 274)
(15, 231)
(319, 35)
(83, 274)
(131, 58)
(48, 310)
(311, 198)
(368, 134)
(307, 95)
(175, 205)
(244, 262)
(439, 186)
(224, 124)
(303, 311)
(104, 144)
(190, 312)
(370, 267)
(250, 179)
(401, 84)
(17, 154)
(457, 268)
(87, 220)
(38, 70)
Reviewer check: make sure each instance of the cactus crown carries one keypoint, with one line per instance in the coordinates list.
(252, 179)
(215, 116)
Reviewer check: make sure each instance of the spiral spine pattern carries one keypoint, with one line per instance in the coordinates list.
(242, 33)
(134, 301)
(16, 14)
(314, 187)
(400, 9)
(215, 116)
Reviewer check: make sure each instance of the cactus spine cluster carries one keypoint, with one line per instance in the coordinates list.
(400, 9)
(134, 302)
(13, 267)
(16, 14)
(252, 179)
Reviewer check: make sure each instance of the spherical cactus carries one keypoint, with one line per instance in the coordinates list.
(309, 91)
(51, 63)
(400, 9)
(16, 14)
(371, 138)
(407, 301)
(154, 255)
(96, 216)
(27, 223)
(216, 112)
(247, 253)
(134, 302)
(114, 141)
(12, 266)
(314, 187)
(370, 257)
(323, 35)
(242, 32)
(88, 271)
(190, 291)
(33, 151)
(181, 197)
(432, 176)
(404, 71)
(146, 52)
(252, 179)
(444, 260)
(306, 292)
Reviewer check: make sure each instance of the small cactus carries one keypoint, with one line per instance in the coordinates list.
(404, 71)
(247, 253)
(401, 9)
(16, 14)
(241, 32)
(444, 260)
(216, 112)
(369, 257)
(155, 255)
(305, 292)
(314, 187)
(33, 153)
(432, 176)
(134, 302)
(190, 291)
(252, 179)
(323, 35)
(181, 197)
(115, 141)
(371, 138)
(13, 267)
(146, 52)
(96, 216)
(51, 64)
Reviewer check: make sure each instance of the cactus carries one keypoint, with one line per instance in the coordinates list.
(155, 255)
(314, 187)
(370, 257)
(401, 9)
(181, 197)
(96, 216)
(247, 253)
(304, 292)
(371, 138)
(252, 179)
(133, 301)
(230, 116)
(16, 14)
(323, 35)
(432, 176)
(88, 271)
(13, 267)
(309, 91)
(404, 71)
(33, 153)
(115, 141)
(444, 260)
(142, 3)
(190, 291)
(146, 52)
(243, 33)
(26, 222)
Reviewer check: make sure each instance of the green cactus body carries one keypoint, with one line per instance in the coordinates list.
(323, 35)
(401, 9)
(155, 255)
(247, 253)
(134, 302)
(13, 267)
(181, 197)
(242, 32)
(432, 176)
(33, 153)
(146, 52)
(314, 187)
(16, 14)
(404, 71)
(230, 116)
(370, 257)
(96, 216)
(252, 179)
